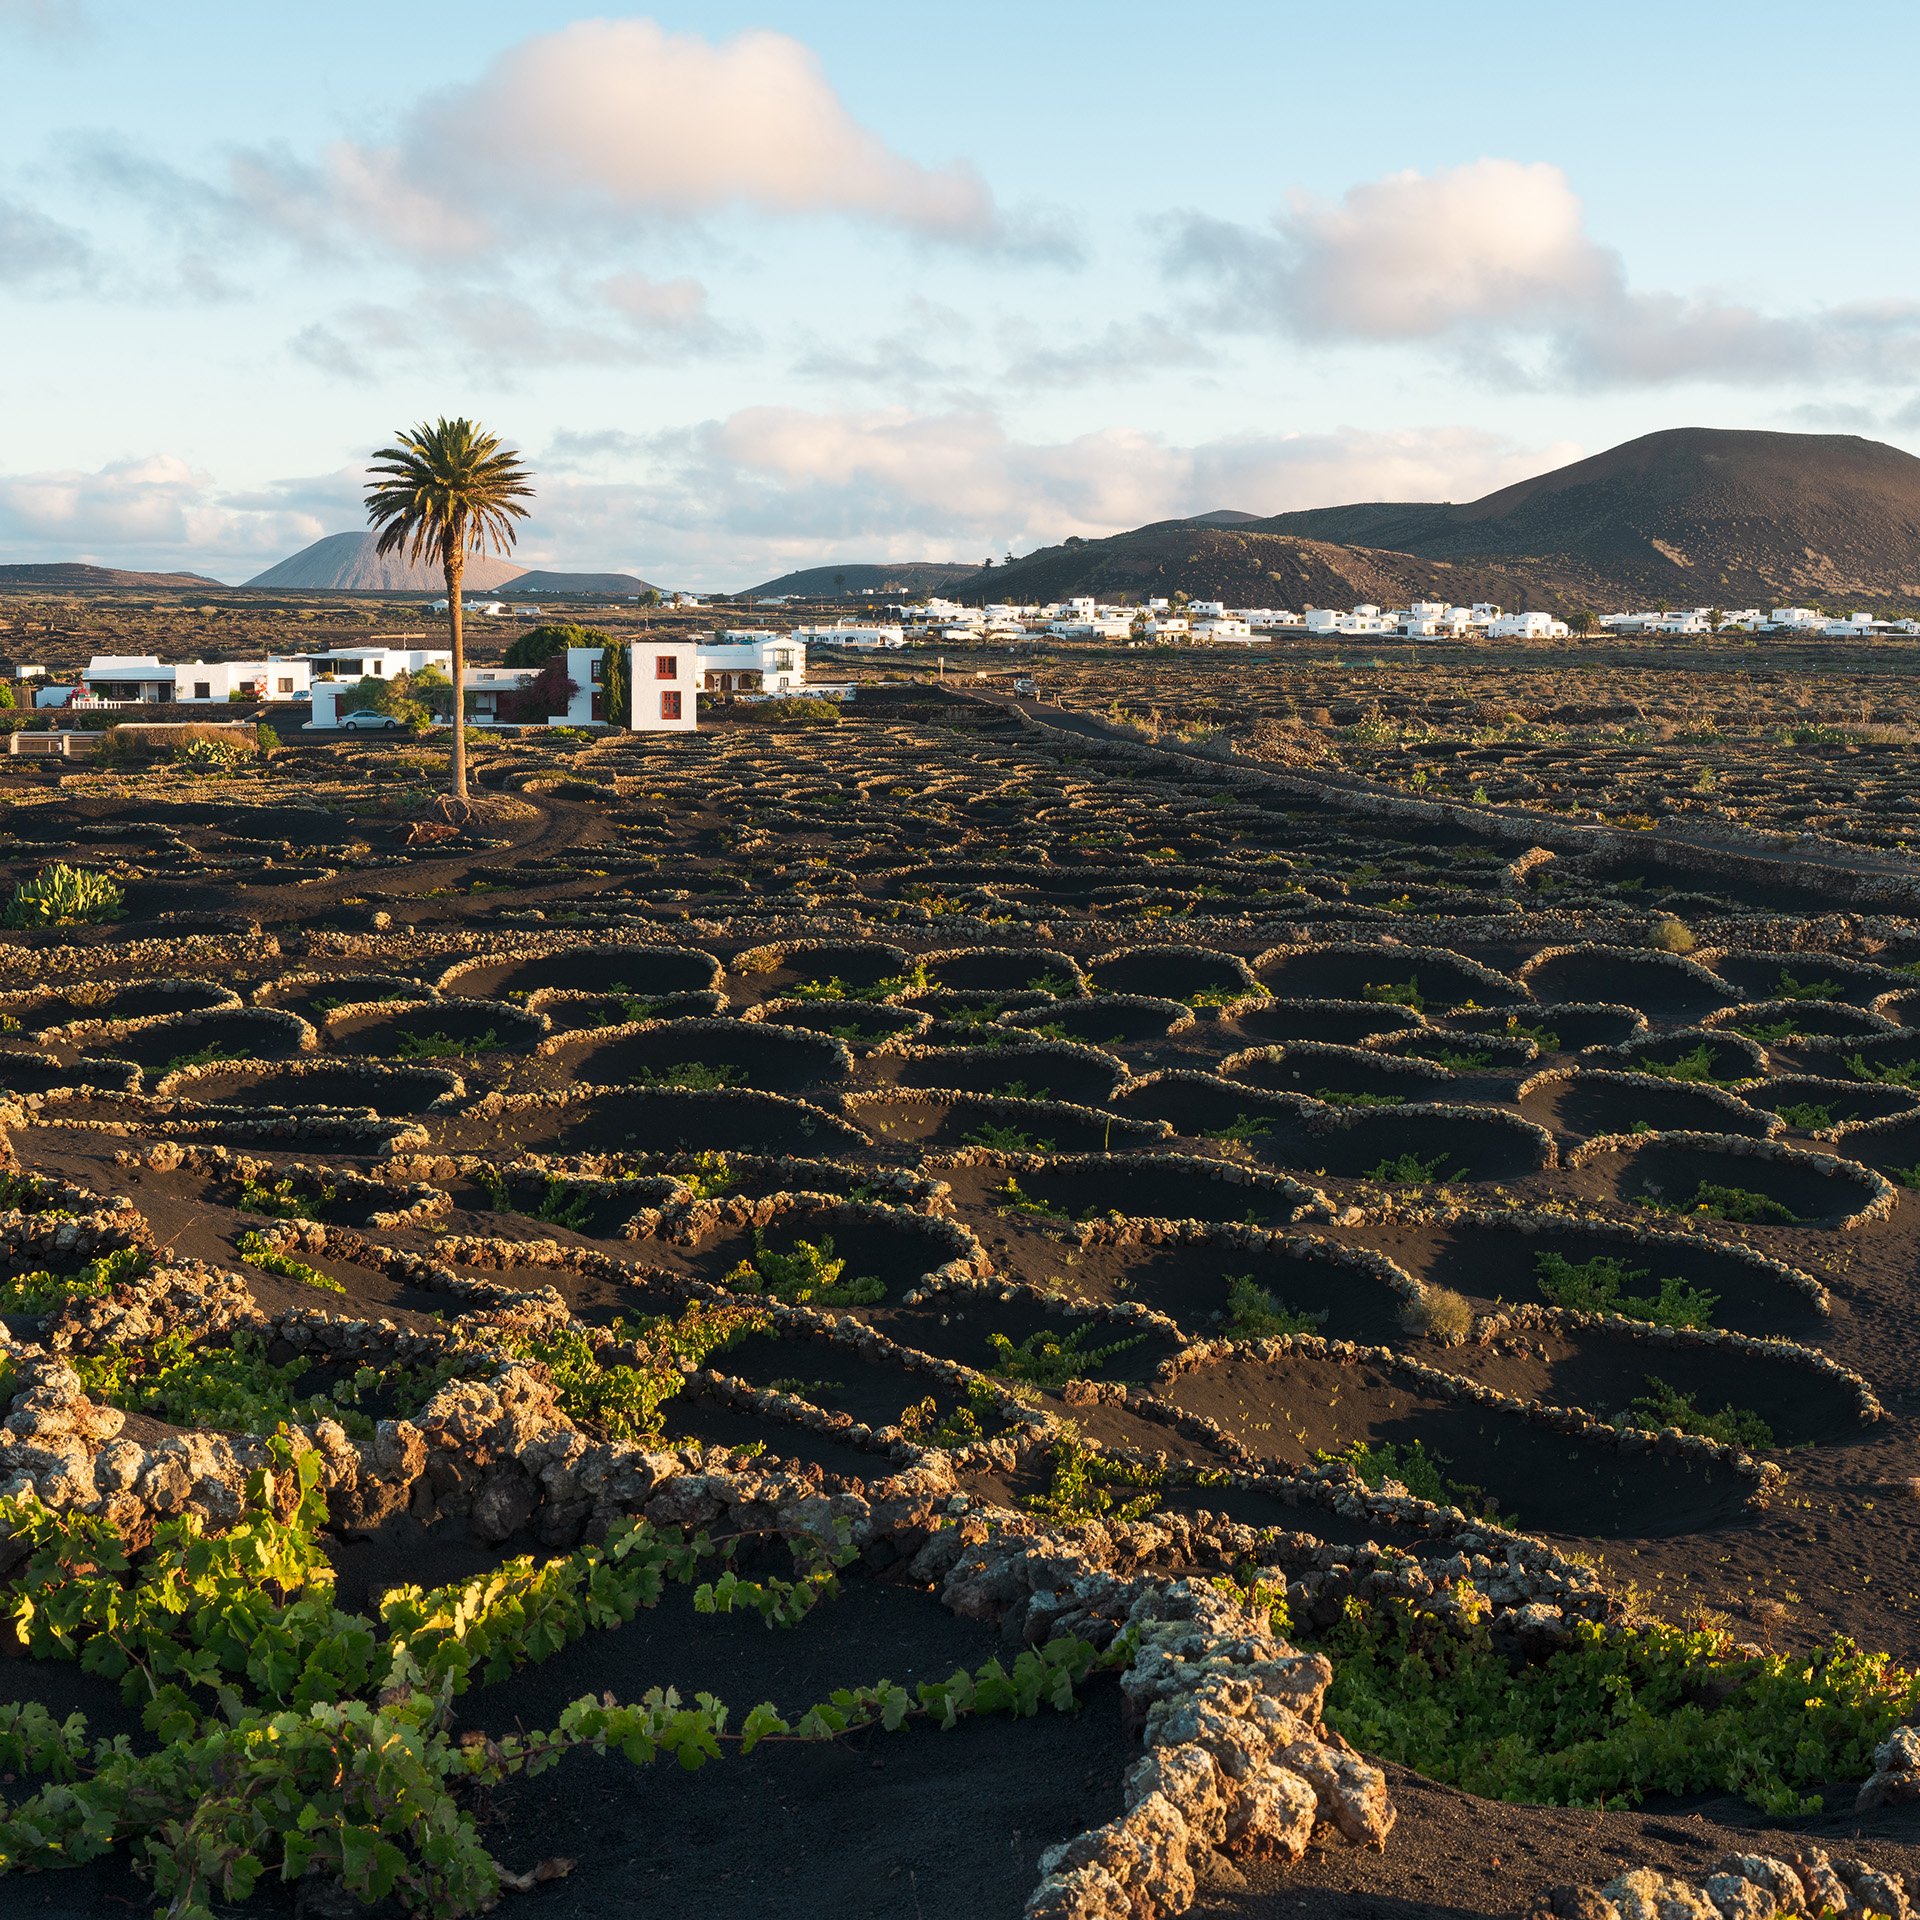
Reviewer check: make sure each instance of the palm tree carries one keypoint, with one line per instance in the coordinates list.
(448, 490)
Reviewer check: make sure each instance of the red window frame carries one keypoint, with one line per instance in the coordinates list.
(666, 666)
(670, 705)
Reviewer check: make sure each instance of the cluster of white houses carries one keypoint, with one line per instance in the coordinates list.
(666, 677)
(1209, 621)
(1803, 620)
(1212, 622)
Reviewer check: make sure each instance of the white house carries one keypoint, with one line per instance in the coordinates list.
(484, 687)
(378, 663)
(1794, 620)
(124, 677)
(767, 664)
(852, 636)
(1526, 626)
(1855, 626)
(665, 678)
(493, 609)
(1223, 629)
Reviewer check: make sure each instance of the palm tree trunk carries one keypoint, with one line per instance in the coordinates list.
(453, 561)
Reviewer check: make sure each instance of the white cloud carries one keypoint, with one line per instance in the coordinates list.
(605, 123)
(732, 500)
(38, 254)
(1493, 261)
(159, 511)
(624, 320)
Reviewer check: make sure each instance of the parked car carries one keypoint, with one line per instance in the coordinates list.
(367, 718)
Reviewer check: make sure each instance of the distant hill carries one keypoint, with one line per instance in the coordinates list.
(853, 579)
(1694, 512)
(75, 573)
(1242, 566)
(347, 563)
(1693, 516)
(1223, 517)
(542, 584)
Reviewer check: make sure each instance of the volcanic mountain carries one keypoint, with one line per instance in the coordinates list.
(1692, 516)
(347, 563)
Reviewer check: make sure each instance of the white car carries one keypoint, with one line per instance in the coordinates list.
(367, 718)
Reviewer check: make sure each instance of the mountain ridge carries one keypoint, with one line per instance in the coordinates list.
(1692, 516)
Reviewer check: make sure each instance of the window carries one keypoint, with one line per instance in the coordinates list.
(285, 686)
(203, 690)
(666, 666)
(379, 666)
(783, 658)
(670, 705)
(593, 672)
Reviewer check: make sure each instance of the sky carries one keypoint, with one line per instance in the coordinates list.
(756, 287)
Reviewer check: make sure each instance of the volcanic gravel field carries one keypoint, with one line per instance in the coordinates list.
(1065, 1178)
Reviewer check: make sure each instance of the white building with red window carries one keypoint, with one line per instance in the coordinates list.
(666, 683)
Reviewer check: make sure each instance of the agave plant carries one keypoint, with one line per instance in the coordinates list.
(63, 896)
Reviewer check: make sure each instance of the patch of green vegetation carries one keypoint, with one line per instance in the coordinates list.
(809, 1276)
(1769, 1033)
(1664, 1405)
(1712, 1201)
(214, 1055)
(1615, 1716)
(64, 896)
(708, 1175)
(44, 1292)
(1081, 1485)
(1408, 1170)
(692, 1076)
(1243, 1127)
(623, 1399)
(283, 1200)
(1396, 993)
(1050, 1359)
(1423, 1474)
(1227, 996)
(1694, 1067)
(1887, 1073)
(1809, 1116)
(443, 1046)
(1255, 1314)
(1332, 1098)
(1790, 988)
(1600, 1285)
(925, 1425)
(1009, 1198)
(1004, 1139)
(257, 1251)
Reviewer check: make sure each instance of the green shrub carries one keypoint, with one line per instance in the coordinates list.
(64, 896)
(809, 1276)
(1255, 1314)
(1664, 1405)
(1408, 1170)
(1712, 1201)
(1049, 1359)
(1600, 1285)
(1423, 1474)
(799, 710)
(1613, 1717)
(1671, 936)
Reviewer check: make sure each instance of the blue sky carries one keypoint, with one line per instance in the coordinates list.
(764, 286)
